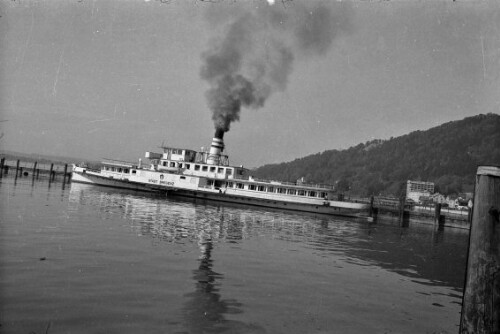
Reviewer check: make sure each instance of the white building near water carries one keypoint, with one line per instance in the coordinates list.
(416, 189)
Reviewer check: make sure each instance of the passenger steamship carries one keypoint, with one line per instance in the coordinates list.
(208, 175)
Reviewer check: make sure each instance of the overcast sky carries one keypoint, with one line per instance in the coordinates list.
(112, 79)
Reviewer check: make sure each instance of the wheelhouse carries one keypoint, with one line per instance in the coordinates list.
(189, 162)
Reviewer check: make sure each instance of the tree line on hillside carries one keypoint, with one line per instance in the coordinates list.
(447, 155)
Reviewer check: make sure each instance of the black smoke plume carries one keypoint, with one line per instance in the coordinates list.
(254, 55)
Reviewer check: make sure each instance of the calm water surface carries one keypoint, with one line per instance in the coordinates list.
(86, 259)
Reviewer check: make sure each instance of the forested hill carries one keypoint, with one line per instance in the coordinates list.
(447, 155)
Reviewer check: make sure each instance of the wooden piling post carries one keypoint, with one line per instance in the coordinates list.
(2, 163)
(437, 213)
(481, 300)
(65, 173)
(17, 167)
(51, 171)
(402, 201)
(371, 207)
(34, 169)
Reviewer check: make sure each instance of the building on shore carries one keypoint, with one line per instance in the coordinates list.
(417, 189)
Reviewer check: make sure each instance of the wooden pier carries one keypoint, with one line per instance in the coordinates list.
(403, 213)
(35, 170)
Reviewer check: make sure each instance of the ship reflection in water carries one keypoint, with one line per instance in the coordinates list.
(308, 264)
(205, 311)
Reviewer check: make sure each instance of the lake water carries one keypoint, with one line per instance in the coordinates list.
(87, 259)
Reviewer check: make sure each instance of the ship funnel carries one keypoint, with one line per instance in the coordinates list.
(216, 148)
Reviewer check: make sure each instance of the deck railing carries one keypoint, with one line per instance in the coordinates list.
(294, 184)
(119, 163)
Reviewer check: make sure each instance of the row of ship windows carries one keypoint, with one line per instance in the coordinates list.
(270, 189)
(203, 168)
(119, 170)
(196, 167)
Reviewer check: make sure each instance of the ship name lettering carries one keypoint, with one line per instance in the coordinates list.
(167, 183)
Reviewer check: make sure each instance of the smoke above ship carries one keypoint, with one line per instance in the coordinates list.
(254, 55)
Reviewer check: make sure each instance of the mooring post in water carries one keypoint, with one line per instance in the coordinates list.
(371, 207)
(2, 163)
(437, 213)
(65, 173)
(17, 167)
(34, 169)
(372, 213)
(51, 171)
(402, 201)
(481, 300)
